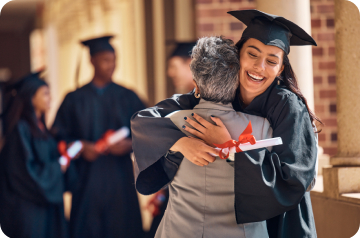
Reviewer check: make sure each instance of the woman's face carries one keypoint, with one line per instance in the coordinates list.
(41, 100)
(259, 66)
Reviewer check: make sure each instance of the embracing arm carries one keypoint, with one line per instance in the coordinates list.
(153, 135)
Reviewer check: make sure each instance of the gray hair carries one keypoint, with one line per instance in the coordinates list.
(215, 66)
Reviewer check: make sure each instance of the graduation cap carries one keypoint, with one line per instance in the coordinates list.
(272, 30)
(23, 89)
(28, 85)
(183, 49)
(99, 44)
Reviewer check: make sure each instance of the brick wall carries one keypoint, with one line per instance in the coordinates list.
(212, 19)
(323, 31)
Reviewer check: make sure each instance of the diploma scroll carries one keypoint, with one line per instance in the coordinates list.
(111, 138)
(259, 144)
(72, 151)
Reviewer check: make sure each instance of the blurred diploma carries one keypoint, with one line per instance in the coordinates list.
(111, 138)
(247, 146)
(72, 151)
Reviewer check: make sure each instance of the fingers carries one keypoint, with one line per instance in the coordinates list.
(202, 121)
(217, 121)
(195, 124)
(193, 131)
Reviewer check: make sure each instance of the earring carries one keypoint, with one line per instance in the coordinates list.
(197, 95)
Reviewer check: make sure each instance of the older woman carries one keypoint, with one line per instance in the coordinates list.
(201, 197)
(268, 185)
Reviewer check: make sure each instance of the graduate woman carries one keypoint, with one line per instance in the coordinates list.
(31, 178)
(269, 186)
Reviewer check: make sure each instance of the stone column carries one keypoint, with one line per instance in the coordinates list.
(297, 11)
(347, 25)
(344, 174)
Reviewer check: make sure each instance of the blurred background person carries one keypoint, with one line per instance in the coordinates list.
(179, 68)
(104, 201)
(31, 181)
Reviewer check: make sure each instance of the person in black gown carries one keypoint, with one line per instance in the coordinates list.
(178, 67)
(269, 186)
(104, 199)
(31, 183)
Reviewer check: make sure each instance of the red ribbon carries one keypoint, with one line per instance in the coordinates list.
(62, 148)
(102, 144)
(245, 137)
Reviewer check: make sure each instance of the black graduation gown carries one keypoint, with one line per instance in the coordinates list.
(268, 185)
(104, 202)
(32, 186)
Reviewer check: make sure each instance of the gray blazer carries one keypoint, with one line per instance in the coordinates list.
(201, 200)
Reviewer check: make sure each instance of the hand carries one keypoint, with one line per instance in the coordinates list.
(89, 153)
(122, 147)
(63, 168)
(211, 134)
(195, 150)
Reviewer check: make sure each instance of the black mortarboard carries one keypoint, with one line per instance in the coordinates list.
(99, 44)
(23, 89)
(272, 30)
(28, 85)
(183, 49)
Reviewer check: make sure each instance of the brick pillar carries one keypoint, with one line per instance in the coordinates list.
(297, 11)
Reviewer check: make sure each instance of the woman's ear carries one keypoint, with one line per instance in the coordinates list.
(282, 68)
(197, 90)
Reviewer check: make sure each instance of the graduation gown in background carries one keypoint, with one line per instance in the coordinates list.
(32, 186)
(268, 185)
(104, 202)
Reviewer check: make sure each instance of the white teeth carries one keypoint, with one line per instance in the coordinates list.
(255, 78)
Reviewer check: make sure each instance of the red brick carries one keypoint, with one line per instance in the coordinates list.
(325, 8)
(332, 79)
(331, 50)
(246, 8)
(322, 136)
(206, 27)
(212, 13)
(317, 80)
(203, 1)
(328, 93)
(327, 65)
(330, 150)
(332, 108)
(236, 26)
(330, 23)
(315, 23)
(317, 51)
(334, 137)
(330, 122)
(326, 37)
(319, 108)
(235, 0)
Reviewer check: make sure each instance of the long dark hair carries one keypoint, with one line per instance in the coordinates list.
(18, 105)
(288, 77)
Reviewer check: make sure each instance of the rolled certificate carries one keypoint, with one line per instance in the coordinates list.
(111, 137)
(259, 144)
(118, 135)
(72, 151)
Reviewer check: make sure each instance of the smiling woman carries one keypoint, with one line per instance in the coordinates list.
(260, 65)
(272, 186)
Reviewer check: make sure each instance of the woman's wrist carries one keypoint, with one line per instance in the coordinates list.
(177, 146)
